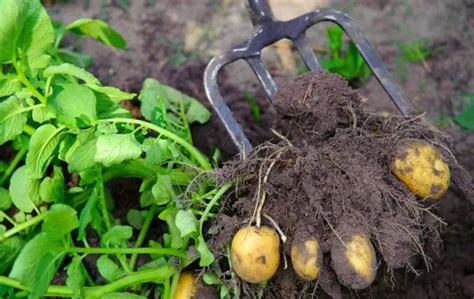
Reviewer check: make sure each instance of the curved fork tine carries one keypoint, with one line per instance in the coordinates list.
(366, 50)
(213, 94)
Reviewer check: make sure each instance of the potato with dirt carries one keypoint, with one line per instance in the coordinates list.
(255, 253)
(190, 287)
(306, 257)
(422, 168)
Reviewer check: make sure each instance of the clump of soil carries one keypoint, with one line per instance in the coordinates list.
(328, 171)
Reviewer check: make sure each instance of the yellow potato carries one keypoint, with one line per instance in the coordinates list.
(422, 169)
(255, 253)
(306, 258)
(187, 286)
(354, 261)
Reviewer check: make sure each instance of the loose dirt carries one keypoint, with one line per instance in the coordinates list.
(329, 170)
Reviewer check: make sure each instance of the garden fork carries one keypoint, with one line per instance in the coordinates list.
(268, 31)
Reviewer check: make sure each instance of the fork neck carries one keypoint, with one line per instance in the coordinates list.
(260, 11)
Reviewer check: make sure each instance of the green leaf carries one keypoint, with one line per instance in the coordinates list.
(135, 218)
(89, 214)
(43, 114)
(37, 263)
(11, 24)
(99, 30)
(162, 190)
(211, 278)
(78, 59)
(206, 255)
(37, 36)
(5, 200)
(466, 118)
(52, 188)
(82, 153)
(71, 70)
(24, 190)
(11, 119)
(154, 91)
(115, 94)
(117, 235)
(43, 145)
(186, 223)
(60, 221)
(169, 215)
(116, 148)
(108, 269)
(9, 250)
(74, 101)
(75, 278)
(157, 151)
(9, 85)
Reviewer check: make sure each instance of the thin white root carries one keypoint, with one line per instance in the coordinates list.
(277, 227)
(282, 137)
(264, 194)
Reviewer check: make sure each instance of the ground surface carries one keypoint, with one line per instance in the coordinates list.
(172, 40)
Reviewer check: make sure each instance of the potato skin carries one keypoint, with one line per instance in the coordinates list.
(255, 253)
(306, 258)
(187, 286)
(422, 169)
(354, 261)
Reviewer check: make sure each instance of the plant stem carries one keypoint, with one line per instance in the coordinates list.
(28, 129)
(158, 274)
(174, 283)
(103, 202)
(27, 83)
(22, 226)
(143, 231)
(137, 250)
(166, 290)
(12, 166)
(4, 215)
(213, 201)
(200, 158)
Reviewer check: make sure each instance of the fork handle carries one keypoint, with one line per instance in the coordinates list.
(260, 11)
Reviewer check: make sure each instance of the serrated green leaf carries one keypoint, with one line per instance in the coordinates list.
(466, 118)
(74, 101)
(52, 188)
(11, 119)
(186, 223)
(75, 278)
(71, 70)
(116, 148)
(43, 144)
(9, 85)
(115, 94)
(5, 200)
(108, 269)
(9, 250)
(60, 221)
(82, 153)
(206, 255)
(169, 215)
(99, 30)
(37, 263)
(24, 190)
(117, 235)
(163, 190)
(135, 218)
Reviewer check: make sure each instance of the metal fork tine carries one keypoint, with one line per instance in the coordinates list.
(263, 76)
(303, 45)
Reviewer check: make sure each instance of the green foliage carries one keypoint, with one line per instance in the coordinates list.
(70, 138)
(344, 58)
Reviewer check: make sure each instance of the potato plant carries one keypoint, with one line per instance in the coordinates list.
(69, 138)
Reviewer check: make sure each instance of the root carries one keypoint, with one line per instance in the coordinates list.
(277, 227)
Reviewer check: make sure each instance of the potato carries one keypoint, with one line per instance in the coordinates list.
(306, 258)
(189, 287)
(255, 253)
(422, 169)
(354, 261)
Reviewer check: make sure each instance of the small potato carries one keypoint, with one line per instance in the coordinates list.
(255, 253)
(422, 169)
(187, 286)
(354, 261)
(306, 258)
(190, 287)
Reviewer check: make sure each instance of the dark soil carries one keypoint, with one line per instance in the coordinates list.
(329, 174)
